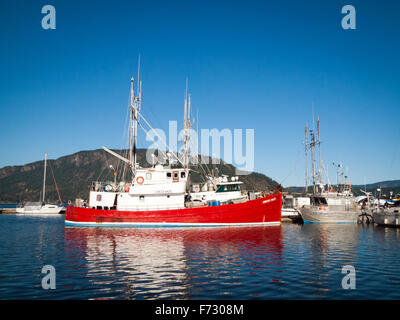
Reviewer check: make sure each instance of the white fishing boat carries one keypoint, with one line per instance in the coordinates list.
(40, 207)
(328, 204)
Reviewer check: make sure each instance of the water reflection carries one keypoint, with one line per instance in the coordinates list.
(288, 262)
(331, 246)
(168, 263)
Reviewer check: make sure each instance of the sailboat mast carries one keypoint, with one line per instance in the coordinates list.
(44, 176)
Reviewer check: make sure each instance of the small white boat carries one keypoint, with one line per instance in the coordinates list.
(40, 207)
(289, 207)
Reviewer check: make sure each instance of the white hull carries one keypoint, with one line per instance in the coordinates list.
(290, 213)
(44, 210)
(331, 214)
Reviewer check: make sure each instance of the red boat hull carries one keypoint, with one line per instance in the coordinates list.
(263, 211)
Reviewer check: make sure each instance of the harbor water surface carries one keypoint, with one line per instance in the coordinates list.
(291, 261)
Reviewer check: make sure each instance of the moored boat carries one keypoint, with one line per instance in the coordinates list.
(327, 204)
(320, 211)
(387, 217)
(160, 196)
(41, 207)
(263, 211)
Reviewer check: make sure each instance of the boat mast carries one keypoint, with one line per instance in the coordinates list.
(135, 101)
(306, 150)
(44, 176)
(186, 128)
(131, 130)
(135, 109)
(327, 176)
(319, 153)
(312, 144)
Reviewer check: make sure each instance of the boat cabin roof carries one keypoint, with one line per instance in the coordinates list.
(227, 183)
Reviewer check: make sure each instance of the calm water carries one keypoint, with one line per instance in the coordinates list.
(287, 262)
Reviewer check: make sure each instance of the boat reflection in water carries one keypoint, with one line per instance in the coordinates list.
(168, 263)
(329, 247)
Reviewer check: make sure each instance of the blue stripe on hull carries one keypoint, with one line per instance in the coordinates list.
(338, 222)
(132, 225)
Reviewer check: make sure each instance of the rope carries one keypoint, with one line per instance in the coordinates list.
(55, 182)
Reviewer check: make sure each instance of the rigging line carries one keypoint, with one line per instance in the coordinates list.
(294, 169)
(394, 155)
(108, 167)
(204, 172)
(145, 131)
(101, 173)
(124, 141)
(55, 182)
(166, 145)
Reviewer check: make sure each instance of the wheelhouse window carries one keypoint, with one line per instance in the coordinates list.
(228, 188)
(169, 175)
(319, 201)
(183, 174)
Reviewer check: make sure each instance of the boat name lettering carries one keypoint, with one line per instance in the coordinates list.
(163, 191)
(269, 200)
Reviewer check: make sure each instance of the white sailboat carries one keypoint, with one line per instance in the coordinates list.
(41, 207)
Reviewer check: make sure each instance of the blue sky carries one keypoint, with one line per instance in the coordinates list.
(250, 64)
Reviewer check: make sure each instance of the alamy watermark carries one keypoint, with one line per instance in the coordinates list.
(206, 146)
(349, 280)
(49, 280)
(349, 20)
(49, 20)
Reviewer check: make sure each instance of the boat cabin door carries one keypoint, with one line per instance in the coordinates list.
(175, 176)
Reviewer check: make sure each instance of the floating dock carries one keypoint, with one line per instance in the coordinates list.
(7, 210)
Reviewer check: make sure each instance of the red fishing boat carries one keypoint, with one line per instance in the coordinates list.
(159, 196)
(263, 211)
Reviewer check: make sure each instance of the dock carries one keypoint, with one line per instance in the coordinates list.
(7, 210)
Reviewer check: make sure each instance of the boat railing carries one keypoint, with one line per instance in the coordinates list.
(100, 186)
(109, 186)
